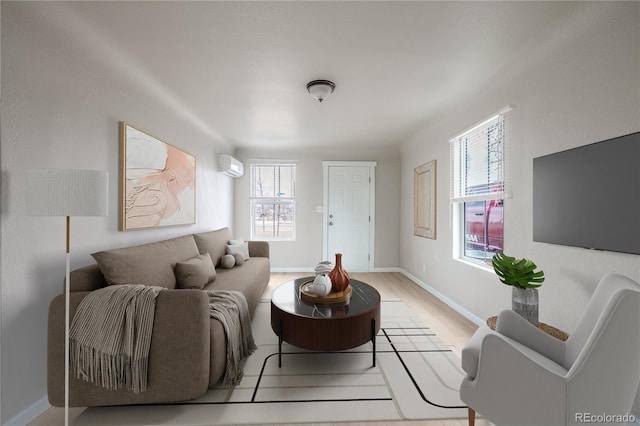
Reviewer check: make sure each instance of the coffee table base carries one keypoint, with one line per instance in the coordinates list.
(325, 327)
(374, 332)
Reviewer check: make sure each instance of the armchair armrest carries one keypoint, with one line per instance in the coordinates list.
(178, 358)
(258, 248)
(522, 331)
(514, 384)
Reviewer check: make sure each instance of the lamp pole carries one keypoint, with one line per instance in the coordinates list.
(67, 192)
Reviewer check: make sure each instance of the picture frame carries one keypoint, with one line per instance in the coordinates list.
(424, 198)
(157, 182)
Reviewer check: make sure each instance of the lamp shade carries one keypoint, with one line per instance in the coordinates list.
(67, 192)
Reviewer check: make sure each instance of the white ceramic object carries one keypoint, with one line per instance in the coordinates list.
(321, 285)
(323, 267)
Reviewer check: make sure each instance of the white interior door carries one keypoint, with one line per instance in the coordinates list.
(348, 214)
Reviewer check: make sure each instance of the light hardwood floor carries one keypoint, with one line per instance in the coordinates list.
(450, 326)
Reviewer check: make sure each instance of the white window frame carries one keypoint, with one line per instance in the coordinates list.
(462, 192)
(276, 199)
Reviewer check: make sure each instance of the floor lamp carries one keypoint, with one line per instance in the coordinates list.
(67, 192)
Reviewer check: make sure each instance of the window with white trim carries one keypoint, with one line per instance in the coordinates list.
(273, 200)
(478, 189)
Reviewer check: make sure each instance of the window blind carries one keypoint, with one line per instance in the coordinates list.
(273, 179)
(478, 161)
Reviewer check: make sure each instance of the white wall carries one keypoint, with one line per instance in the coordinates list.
(581, 85)
(64, 90)
(63, 93)
(306, 251)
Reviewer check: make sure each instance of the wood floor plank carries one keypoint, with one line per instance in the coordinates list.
(450, 326)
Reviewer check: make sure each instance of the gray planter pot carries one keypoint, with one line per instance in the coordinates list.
(524, 302)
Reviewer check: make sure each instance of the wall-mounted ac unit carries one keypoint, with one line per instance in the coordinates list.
(230, 166)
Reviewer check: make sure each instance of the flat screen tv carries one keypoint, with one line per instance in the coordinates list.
(590, 196)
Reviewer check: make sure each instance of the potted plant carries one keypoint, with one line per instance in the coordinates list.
(522, 276)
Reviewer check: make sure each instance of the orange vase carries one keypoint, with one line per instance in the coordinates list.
(339, 277)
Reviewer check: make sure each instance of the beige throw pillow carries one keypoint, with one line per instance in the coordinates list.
(227, 261)
(239, 248)
(239, 258)
(195, 273)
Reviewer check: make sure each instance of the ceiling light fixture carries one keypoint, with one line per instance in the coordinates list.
(320, 89)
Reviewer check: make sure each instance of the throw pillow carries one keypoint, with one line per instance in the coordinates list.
(236, 241)
(195, 273)
(227, 261)
(239, 258)
(239, 248)
(214, 243)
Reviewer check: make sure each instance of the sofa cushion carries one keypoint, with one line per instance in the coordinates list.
(148, 264)
(214, 243)
(195, 273)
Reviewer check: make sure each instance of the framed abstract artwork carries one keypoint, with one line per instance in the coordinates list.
(157, 182)
(424, 199)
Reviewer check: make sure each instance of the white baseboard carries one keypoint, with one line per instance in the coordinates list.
(30, 413)
(388, 270)
(453, 305)
(293, 269)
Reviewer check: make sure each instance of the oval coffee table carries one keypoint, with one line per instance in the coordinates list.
(325, 326)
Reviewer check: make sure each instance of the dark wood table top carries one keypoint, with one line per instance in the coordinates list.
(287, 298)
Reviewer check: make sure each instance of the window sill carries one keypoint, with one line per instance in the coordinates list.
(482, 267)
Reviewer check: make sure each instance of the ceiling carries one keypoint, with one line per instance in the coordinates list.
(238, 70)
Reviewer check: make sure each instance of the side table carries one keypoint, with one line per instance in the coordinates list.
(552, 331)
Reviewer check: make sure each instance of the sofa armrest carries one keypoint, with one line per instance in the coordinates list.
(258, 248)
(178, 357)
(87, 278)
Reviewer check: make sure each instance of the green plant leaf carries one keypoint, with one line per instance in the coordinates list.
(518, 272)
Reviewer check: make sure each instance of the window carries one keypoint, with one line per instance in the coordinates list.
(273, 205)
(478, 189)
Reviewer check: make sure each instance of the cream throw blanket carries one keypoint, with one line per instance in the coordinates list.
(110, 336)
(111, 331)
(231, 309)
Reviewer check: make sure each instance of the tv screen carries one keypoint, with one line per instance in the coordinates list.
(590, 196)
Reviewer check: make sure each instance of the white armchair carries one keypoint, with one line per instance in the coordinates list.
(519, 375)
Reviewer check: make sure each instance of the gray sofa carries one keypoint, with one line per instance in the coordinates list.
(188, 349)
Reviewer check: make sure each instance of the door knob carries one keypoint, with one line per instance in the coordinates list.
(331, 216)
(330, 223)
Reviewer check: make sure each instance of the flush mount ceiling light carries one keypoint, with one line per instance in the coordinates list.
(320, 89)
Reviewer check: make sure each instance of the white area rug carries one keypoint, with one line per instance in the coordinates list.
(416, 377)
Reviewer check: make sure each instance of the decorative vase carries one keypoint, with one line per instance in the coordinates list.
(524, 302)
(339, 277)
